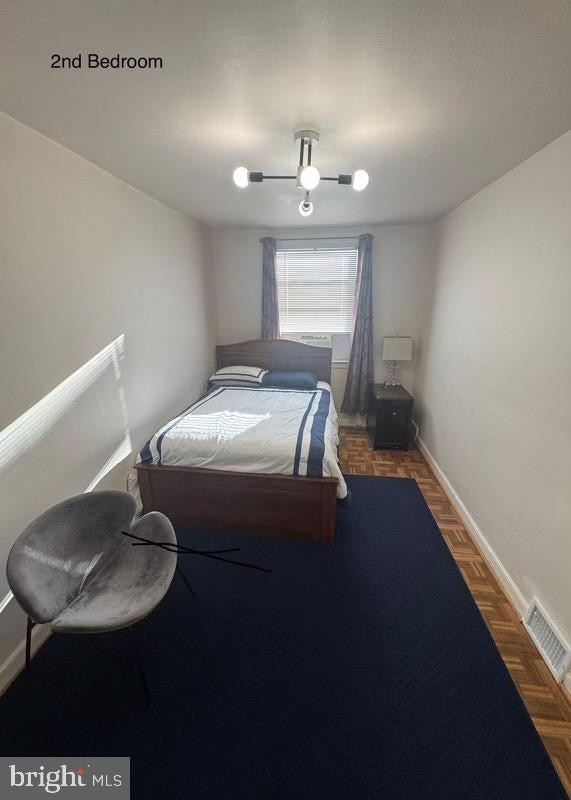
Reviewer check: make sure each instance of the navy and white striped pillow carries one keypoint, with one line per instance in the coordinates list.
(238, 376)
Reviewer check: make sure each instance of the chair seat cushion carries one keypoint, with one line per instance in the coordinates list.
(54, 557)
(127, 584)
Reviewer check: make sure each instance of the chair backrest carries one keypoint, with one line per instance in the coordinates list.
(52, 558)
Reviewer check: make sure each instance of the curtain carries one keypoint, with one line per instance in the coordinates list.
(270, 308)
(360, 372)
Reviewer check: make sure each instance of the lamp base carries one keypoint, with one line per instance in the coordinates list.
(393, 378)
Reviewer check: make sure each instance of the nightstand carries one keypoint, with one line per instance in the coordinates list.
(389, 414)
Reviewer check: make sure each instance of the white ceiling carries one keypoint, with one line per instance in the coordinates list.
(435, 98)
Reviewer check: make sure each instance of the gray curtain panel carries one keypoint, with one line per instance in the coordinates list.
(360, 372)
(270, 308)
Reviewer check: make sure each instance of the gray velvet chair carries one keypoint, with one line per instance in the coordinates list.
(74, 568)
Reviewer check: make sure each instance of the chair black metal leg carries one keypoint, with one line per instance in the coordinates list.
(29, 627)
(140, 666)
(187, 582)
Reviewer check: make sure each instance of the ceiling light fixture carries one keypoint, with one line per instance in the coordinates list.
(307, 175)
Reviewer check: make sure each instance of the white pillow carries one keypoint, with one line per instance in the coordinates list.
(254, 375)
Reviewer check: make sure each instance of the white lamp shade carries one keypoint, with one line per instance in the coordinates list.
(397, 348)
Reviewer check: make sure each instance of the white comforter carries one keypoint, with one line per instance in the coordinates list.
(242, 429)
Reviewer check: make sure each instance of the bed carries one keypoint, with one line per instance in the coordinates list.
(197, 469)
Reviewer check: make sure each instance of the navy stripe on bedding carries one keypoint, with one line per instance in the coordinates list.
(145, 455)
(300, 435)
(317, 445)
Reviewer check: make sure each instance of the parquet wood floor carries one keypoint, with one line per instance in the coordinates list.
(546, 701)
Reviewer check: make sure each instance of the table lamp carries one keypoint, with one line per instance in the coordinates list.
(395, 350)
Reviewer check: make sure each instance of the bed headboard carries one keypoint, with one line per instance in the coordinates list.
(276, 354)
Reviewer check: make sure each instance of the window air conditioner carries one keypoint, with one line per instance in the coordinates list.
(315, 339)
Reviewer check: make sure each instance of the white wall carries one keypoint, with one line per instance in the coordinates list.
(85, 260)
(402, 284)
(494, 384)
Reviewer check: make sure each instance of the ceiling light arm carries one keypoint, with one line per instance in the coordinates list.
(343, 180)
(259, 177)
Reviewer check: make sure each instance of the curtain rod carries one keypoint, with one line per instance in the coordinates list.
(314, 238)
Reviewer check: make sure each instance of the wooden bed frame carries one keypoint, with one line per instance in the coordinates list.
(288, 506)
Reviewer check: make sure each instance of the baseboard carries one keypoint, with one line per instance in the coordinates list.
(506, 581)
(514, 593)
(351, 421)
(15, 662)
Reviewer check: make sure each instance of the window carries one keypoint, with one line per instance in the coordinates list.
(316, 289)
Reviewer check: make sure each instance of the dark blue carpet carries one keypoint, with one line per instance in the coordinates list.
(361, 670)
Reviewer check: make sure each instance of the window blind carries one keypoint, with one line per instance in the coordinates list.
(316, 289)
